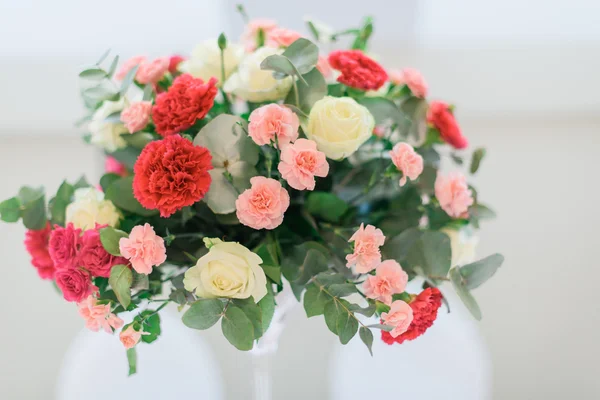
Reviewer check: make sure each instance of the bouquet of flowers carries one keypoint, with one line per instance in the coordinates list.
(256, 165)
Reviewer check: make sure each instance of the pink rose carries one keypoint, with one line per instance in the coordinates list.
(128, 65)
(136, 116)
(93, 257)
(282, 37)
(262, 206)
(411, 78)
(408, 161)
(98, 316)
(111, 165)
(64, 245)
(453, 194)
(324, 67)
(389, 279)
(400, 317)
(301, 162)
(250, 35)
(143, 248)
(130, 337)
(74, 283)
(366, 254)
(153, 71)
(273, 121)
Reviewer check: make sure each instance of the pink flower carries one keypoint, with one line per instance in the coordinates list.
(453, 194)
(153, 71)
(36, 243)
(366, 254)
(301, 162)
(98, 316)
(130, 337)
(324, 67)
(411, 78)
(93, 257)
(143, 248)
(379, 131)
(111, 165)
(74, 283)
(128, 65)
(136, 116)
(400, 317)
(408, 161)
(174, 62)
(273, 121)
(389, 279)
(250, 35)
(282, 37)
(262, 206)
(64, 245)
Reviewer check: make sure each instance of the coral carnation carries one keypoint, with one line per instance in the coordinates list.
(411, 78)
(358, 70)
(262, 206)
(36, 243)
(143, 248)
(271, 122)
(63, 246)
(170, 174)
(282, 37)
(128, 65)
(153, 71)
(408, 161)
(301, 162)
(389, 279)
(74, 283)
(440, 116)
(454, 194)
(98, 316)
(425, 308)
(93, 257)
(136, 116)
(187, 100)
(367, 255)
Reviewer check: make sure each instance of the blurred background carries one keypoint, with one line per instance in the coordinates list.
(523, 76)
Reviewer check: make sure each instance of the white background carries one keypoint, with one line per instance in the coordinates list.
(524, 76)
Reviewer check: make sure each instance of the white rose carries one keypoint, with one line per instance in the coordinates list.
(463, 243)
(205, 61)
(254, 84)
(227, 270)
(107, 134)
(89, 208)
(339, 125)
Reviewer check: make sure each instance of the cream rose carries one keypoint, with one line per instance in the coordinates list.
(90, 208)
(227, 270)
(254, 84)
(205, 61)
(107, 134)
(339, 125)
(463, 244)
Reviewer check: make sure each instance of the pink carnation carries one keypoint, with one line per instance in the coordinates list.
(400, 317)
(128, 65)
(36, 243)
(273, 121)
(250, 35)
(366, 254)
(453, 194)
(324, 67)
(130, 337)
(153, 71)
(282, 37)
(411, 78)
(111, 165)
(408, 161)
(389, 279)
(74, 283)
(98, 316)
(64, 245)
(93, 257)
(262, 206)
(136, 116)
(143, 248)
(301, 162)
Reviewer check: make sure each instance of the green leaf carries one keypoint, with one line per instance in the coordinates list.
(383, 109)
(33, 207)
(481, 211)
(342, 289)
(120, 192)
(431, 253)
(128, 80)
(148, 90)
(475, 274)
(120, 280)
(331, 311)
(303, 54)
(366, 311)
(113, 66)
(139, 140)
(93, 74)
(110, 238)
(151, 325)
(60, 203)
(347, 325)
(315, 300)
(476, 159)
(314, 90)
(305, 261)
(281, 66)
(107, 179)
(267, 307)
(464, 294)
(400, 245)
(10, 210)
(103, 57)
(326, 205)
(386, 328)
(267, 251)
(415, 109)
(132, 360)
(100, 93)
(237, 328)
(203, 313)
(81, 183)
(253, 312)
(367, 337)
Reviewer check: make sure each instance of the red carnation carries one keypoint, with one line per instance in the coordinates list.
(440, 116)
(174, 62)
(187, 100)
(74, 283)
(170, 174)
(64, 245)
(358, 70)
(36, 243)
(93, 257)
(425, 308)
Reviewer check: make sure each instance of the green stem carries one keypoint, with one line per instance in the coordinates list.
(296, 94)
(336, 299)
(163, 305)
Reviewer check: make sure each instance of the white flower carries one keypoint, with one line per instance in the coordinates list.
(463, 243)
(205, 61)
(89, 208)
(254, 84)
(339, 125)
(107, 134)
(228, 270)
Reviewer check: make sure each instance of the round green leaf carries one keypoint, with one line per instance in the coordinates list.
(110, 238)
(464, 294)
(238, 328)
(120, 280)
(203, 314)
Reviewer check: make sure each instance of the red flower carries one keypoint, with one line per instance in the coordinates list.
(358, 70)
(174, 62)
(64, 245)
(36, 243)
(187, 100)
(170, 174)
(94, 258)
(74, 283)
(425, 308)
(440, 116)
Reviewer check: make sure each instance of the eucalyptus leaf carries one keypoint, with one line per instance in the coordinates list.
(120, 192)
(476, 159)
(347, 325)
(281, 67)
(383, 109)
(432, 253)
(464, 294)
(398, 247)
(203, 314)
(331, 311)
(103, 57)
(237, 328)
(128, 80)
(93, 74)
(254, 313)
(33, 207)
(110, 238)
(314, 300)
(342, 289)
(60, 202)
(367, 337)
(139, 140)
(303, 54)
(107, 179)
(415, 110)
(113, 66)
(326, 205)
(475, 274)
(267, 307)
(120, 280)
(10, 210)
(308, 94)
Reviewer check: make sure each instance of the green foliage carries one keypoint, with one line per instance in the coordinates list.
(150, 323)
(268, 252)
(267, 308)
(304, 261)
(238, 328)
(463, 292)
(363, 35)
(326, 205)
(132, 360)
(398, 247)
(478, 155)
(298, 59)
(58, 204)
(93, 74)
(120, 192)
(120, 280)
(33, 207)
(432, 254)
(254, 313)
(203, 313)
(367, 337)
(110, 238)
(475, 274)
(10, 210)
(107, 179)
(309, 93)
(128, 80)
(383, 110)
(415, 110)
